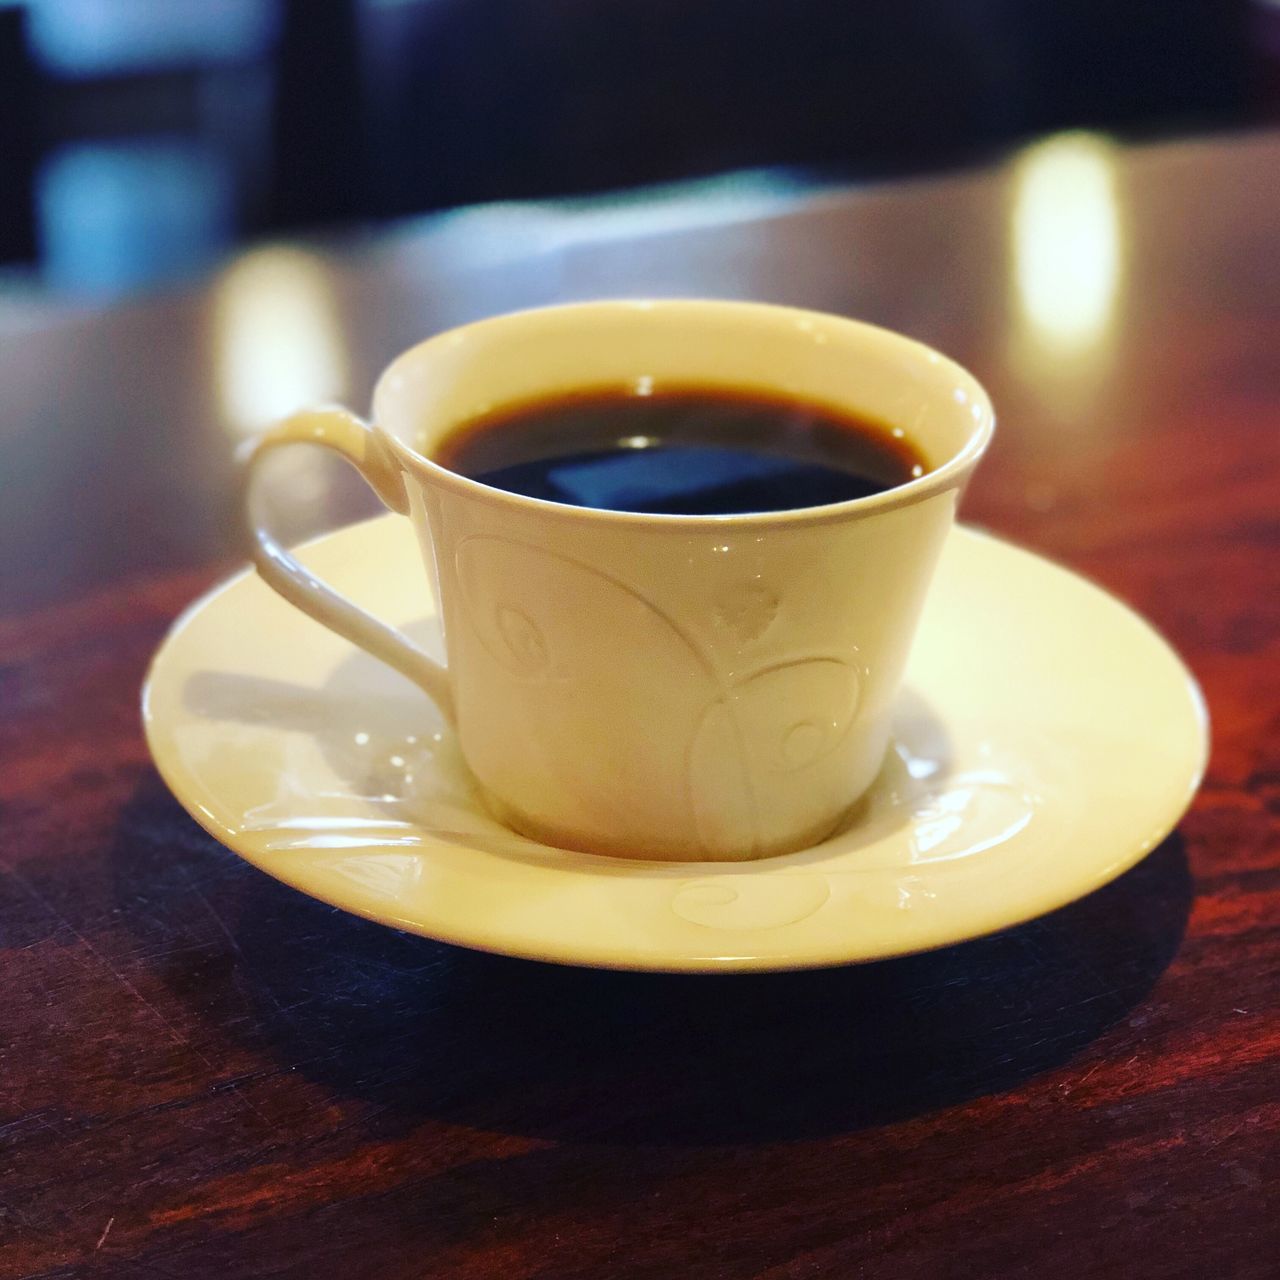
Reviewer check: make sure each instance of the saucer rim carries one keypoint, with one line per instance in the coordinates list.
(996, 917)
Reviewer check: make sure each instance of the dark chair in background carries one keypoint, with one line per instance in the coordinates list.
(487, 99)
(17, 139)
(265, 115)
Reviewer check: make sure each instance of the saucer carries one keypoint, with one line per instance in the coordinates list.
(1045, 740)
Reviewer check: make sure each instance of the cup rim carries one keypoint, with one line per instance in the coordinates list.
(949, 475)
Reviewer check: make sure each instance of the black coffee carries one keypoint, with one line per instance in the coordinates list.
(681, 451)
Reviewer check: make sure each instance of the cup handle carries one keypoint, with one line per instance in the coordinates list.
(353, 439)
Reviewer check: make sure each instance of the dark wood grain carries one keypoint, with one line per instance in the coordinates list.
(203, 1073)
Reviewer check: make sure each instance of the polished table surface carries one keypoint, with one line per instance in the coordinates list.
(204, 1073)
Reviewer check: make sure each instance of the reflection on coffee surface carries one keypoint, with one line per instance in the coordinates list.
(681, 450)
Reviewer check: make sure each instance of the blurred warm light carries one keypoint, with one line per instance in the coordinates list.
(1066, 244)
(278, 342)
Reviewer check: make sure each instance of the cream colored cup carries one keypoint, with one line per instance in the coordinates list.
(656, 686)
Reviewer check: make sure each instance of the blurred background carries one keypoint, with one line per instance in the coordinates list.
(142, 140)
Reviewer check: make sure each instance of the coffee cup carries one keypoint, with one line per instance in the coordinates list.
(655, 686)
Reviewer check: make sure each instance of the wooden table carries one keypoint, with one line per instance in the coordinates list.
(203, 1073)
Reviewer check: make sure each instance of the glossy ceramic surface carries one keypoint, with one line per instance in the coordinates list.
(1045, 739)
(657, 686)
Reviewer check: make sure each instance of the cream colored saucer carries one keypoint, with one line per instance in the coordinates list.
(1046, 740)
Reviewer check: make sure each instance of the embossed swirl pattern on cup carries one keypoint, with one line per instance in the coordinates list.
(735, 740)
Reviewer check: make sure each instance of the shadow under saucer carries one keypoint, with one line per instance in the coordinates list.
(411, 1028)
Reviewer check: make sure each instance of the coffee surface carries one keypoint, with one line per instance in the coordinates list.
(681, 451)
